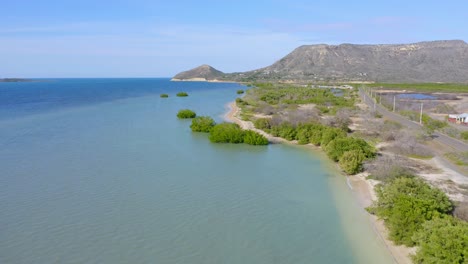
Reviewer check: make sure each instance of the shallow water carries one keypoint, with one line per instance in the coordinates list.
(417, 96)
(101, 171)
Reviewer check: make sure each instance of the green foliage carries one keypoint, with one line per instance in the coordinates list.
(464, 135)
(227, 133)
(351, 161)
(337, 147)
(310, 133)
(262, 123)
(275, 94)
(240, 91)
(164, 96)
(329, 134)
(182, 94)
(285, 130)
(432, 124)
(202, 124)
(405, 204)
(186, 113)
(254, 138)
(442, 240)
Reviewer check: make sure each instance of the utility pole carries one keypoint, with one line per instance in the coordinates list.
(420, 116)
(394, 98)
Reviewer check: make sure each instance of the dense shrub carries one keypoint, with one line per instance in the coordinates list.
(227, 133)
(405, 204)
(442, 240)
(351, 161)
(186, 113)
(464, 135)
(240, 91)
(254, 138)
(262, 123)
(182, 94)
(337, 147)
(432, 124)
(284, 130)
(329, 134)
(164, 96)
(309, 133)
(202, 124)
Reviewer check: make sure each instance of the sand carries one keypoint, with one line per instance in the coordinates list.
(362, 189)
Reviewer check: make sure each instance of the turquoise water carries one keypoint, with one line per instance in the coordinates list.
(101, 171)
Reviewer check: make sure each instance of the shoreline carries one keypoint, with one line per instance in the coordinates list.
(362, 189)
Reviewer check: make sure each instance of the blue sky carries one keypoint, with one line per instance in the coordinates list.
(143, 38)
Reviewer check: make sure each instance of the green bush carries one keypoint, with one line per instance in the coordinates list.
(329, 134)
(202, 124)
(227, 133)
(186, 113)
(182, 94)
(442, 240)
(285, 130)
(351, 161)
(405, 204)
(262, 123)
(164, 96)
(464, 135)
(432, 124)
(337, 147)
(240, 91)
(254, 138)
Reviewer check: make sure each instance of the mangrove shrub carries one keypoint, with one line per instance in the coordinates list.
(405, 204)
(182, 94)
(202, 124)
(227, 133)
(254, 138)
(164, 96)
(186, 113)
(442, 240)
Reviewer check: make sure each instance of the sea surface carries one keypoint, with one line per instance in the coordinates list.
(102, 171)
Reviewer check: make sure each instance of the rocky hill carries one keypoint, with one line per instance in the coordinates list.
(200, 73)
(434, 61)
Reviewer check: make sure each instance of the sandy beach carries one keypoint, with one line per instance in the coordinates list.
(362, 189)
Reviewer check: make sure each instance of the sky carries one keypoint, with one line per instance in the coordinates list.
(142, 38)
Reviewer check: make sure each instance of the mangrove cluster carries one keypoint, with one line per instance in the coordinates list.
(417, 214)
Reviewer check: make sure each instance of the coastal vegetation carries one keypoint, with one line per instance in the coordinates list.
(164, 95)
(182, 94)
(240, 91)
(281, 103)
(417, 214)
(233, 133)
(202, 124)
(186, 113)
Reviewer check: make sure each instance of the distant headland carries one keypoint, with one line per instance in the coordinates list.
(429, 61)
(15, 80)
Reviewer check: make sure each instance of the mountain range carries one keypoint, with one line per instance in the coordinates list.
(430, 61)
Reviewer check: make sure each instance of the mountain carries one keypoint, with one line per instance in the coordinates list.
(200, 73)
(433, 61)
